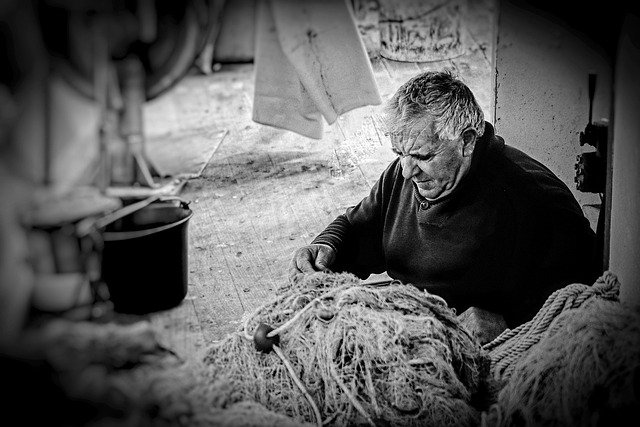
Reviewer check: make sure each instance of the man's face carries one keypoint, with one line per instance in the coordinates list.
(435, 166)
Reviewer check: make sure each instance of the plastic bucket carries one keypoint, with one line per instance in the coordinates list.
(145, 258)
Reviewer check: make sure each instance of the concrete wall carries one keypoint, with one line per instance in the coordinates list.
(542, 70)
(625, 195)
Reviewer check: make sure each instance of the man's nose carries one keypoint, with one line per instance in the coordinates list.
(409, 167)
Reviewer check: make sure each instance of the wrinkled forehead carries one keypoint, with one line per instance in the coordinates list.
(417, 137)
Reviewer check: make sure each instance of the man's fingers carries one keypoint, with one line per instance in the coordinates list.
(310, 259)
(293, 272)
(322, 262)
(300, 264)
(324, 258)
(303, 262)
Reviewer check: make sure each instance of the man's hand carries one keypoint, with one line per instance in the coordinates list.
(310, 258)
(484, 325)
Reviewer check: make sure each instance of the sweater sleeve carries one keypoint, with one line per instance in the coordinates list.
(356, 235)
(334, 234)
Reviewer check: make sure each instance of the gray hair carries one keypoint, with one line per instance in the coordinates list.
(439, 95)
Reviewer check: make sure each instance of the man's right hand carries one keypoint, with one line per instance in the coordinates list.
(307, 259)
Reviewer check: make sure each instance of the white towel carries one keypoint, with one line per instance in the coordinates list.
(310, 63)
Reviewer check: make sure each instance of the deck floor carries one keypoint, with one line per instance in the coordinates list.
(266, 192)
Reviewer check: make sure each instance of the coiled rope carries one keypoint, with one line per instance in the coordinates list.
(513, 344)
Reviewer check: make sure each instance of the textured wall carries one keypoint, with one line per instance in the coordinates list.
(542, 91)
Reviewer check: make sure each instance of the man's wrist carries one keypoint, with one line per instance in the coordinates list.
(323, 242)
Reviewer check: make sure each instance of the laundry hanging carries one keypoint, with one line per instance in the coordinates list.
(310, 63)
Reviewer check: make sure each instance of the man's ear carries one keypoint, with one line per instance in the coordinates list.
(469, 137)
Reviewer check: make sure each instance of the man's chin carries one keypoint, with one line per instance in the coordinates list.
(429, 193)
(430, 196)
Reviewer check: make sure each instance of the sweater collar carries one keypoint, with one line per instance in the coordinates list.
(485, 145)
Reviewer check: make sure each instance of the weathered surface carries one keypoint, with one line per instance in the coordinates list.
(419, 31)
(367, 16)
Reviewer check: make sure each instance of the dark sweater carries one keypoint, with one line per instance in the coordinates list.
(508, 236)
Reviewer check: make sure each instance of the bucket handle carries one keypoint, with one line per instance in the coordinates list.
(88, 225)
(183, 203)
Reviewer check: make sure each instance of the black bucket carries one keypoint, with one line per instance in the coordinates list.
(144, 259)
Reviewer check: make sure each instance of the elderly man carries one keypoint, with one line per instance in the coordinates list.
(460, 214)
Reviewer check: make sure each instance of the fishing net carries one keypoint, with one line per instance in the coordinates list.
(353, 354)
(357, 355)
(584, 371)
(120, 375)
(349, 354)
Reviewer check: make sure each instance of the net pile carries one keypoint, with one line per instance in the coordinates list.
(120, 375)
(584, 371)
(363, 354)
(350, 354)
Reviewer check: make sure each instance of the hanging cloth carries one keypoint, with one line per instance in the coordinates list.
(310, 63)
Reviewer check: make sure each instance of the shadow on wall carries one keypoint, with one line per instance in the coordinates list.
(545, 54)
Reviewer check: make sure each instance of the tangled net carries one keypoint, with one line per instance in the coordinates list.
(120, 375)
(349, 354)
(352, 354)
(585, 371)
(357, 355)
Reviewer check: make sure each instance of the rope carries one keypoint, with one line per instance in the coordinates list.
(380, 336)
(299, 314)
(292, 374)
(280, 353)
(350, 395)
(255, 313)
(290, 370)
(512, 344)
(294, 319)
(301, 386)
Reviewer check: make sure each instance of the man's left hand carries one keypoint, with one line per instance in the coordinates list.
(484, 325)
